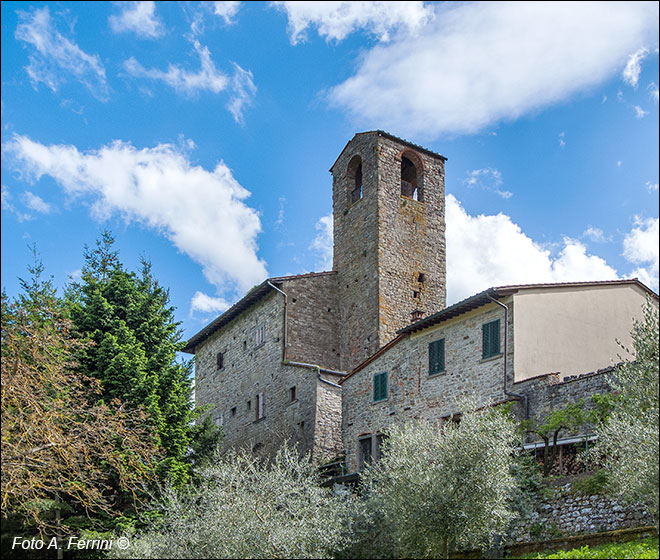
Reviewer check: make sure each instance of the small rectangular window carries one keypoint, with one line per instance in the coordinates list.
(220, 360)
(490, 339)
(292, 393)
(259, 336)
(249, 405)
(437, 356)
(233, 411)
(259, 406)
(380, 386)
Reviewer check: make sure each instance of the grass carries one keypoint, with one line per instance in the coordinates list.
(645, 548)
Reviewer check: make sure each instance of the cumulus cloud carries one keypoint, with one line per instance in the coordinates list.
(336, 20)
(485, 251)
(640, 247)
(651, 187)
(488, 179)
(201, 212)
(322, 243)
(476, 64)
(139, 18)
(633, 67)
(54, 58)
(204, 303)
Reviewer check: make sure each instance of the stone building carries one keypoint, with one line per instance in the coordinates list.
(543, 345)
(269, 366)
(329, 360)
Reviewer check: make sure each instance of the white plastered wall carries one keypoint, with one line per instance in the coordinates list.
(573, 330)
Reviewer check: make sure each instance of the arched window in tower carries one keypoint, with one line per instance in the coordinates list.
(410, 181)
(354, 175)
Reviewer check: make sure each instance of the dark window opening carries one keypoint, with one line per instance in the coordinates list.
(220, 360)
(409, 180)
(249, 405)
(365, 452)
(292, 393)
(421, 277)
(233, 411)
(354, 175)
(415, 294)
(245, 345)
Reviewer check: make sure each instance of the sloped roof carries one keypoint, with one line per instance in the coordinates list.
(249, 299)
(482, 298)
(396, 139)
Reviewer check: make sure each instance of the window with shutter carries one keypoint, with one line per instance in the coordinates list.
(259, 406)
(380, 386)
(490, 339)
(437, 356)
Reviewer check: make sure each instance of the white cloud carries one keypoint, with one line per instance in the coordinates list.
(243, 92)
(655, 93)
(639, 112)
(651, 186)
(7, 206)
(36, 203)
(487, 179)
(139, 18)
(336, 20)
(323, 242)
(596, 235)
(479, 63)
(640, 247)
(201, 212)
(633, 67)
(208, 78)
(562, 143)
(55, 57)
(207, 304)
(485, 251)
(226, 10)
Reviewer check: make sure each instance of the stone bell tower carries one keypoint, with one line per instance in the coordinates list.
(388, 200)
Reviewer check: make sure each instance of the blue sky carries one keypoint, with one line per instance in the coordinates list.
(201, 134)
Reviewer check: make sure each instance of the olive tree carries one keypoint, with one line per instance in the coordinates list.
(241, 507)
(629, 438)
(439, 487)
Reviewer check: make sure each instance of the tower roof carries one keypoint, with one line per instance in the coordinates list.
(384, 134)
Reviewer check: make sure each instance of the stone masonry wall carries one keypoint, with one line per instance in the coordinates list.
(250, 369)
(412, 238)
(355, 256)
(313, 319)
(413, 393)
(564, 512)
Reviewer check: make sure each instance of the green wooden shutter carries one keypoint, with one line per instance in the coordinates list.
(485, 344)
(495, 338)
(437, 356)
(380, 386)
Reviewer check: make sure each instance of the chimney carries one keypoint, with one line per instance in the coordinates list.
(416, 315)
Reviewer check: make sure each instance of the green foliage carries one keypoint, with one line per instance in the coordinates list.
(134, 343)
(436, 487)
(242, 508)
(629, 438)
(62, 448)
(570, 417)
(645, 548)
(596, 483)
